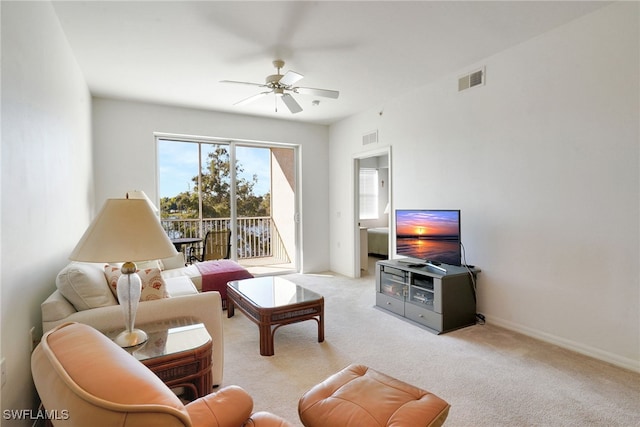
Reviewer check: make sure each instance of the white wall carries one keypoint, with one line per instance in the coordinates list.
(543, 161)
(46, 179)
(125, 156)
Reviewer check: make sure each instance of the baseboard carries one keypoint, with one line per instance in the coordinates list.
(596, 353)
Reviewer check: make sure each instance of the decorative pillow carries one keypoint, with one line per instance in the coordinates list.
(85, 286)
(153, 285)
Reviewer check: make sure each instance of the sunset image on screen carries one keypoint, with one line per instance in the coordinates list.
(428, 224)
(431, 235)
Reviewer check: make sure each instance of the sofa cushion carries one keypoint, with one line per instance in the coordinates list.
(153, 285)
(180, 285)
(84, 285)
(143, 265)
(190, 271)
(176, 261)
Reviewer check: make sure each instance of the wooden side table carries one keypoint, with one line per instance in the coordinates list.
(179, 352)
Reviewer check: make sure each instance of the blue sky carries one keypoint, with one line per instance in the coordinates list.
(178, 163)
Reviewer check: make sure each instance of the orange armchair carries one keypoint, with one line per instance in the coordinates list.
(87, 379)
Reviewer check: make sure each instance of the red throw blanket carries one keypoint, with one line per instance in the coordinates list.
(216, 274)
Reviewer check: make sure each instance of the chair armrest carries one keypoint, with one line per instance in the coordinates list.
(266, 419)
(231, 406)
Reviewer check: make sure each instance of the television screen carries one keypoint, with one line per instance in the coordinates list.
(429, 235)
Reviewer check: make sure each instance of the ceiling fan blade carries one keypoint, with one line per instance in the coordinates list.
(290, 78)
(317, 92)
(243, 83)
(252, 98)
(291, 103)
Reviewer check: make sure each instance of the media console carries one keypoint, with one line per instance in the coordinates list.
(426, 295)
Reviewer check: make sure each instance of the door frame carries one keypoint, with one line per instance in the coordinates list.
(232, 143)
(357, 272)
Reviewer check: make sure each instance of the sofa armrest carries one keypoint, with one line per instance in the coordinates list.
(56, 308)
(207, 307)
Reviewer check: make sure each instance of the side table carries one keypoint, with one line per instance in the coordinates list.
(179, 352)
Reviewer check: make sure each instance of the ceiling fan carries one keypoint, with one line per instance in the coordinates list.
(282, 85)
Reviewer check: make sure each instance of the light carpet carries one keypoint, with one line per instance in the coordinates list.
(489, 375)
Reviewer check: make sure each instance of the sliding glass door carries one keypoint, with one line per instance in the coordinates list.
(255, 200)
(267, 228)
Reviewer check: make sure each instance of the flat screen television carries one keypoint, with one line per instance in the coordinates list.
(429, 235)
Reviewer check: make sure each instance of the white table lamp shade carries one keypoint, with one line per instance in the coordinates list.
(124, 230)
(139, 194)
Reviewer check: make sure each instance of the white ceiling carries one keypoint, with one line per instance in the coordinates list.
(177, 52)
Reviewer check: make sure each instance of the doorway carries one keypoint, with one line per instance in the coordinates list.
(372, 209)
(270, 243)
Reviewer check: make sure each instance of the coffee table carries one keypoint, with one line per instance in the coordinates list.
(179, 352)
(271, 302)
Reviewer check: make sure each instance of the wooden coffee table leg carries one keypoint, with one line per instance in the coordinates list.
(266, 340)
(230, 308)
(321, 325)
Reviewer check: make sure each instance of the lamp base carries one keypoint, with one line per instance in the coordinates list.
(131, 338)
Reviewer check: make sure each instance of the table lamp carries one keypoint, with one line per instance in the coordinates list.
(125, 230)
(139, 194)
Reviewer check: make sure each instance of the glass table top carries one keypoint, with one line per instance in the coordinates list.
(270, 292)
(168, 337)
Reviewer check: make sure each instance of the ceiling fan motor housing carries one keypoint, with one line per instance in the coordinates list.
(273, 80)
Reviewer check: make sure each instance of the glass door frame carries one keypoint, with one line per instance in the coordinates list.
(233, 143)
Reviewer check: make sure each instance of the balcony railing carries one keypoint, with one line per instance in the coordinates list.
(257, 237)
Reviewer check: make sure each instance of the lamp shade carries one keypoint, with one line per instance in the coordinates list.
(124, 230)
(139, 194)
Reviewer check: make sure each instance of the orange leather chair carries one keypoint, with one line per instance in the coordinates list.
(87, 380)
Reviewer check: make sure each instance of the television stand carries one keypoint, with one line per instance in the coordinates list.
(427, 263)
(436, 266)
(423, 293)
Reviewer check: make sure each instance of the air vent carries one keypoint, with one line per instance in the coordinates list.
(475, 78)
(370, 138)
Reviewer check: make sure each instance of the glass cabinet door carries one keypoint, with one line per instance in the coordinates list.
(393, 282)
(421, 291)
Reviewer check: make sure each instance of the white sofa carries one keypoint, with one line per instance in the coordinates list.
(83, 295)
